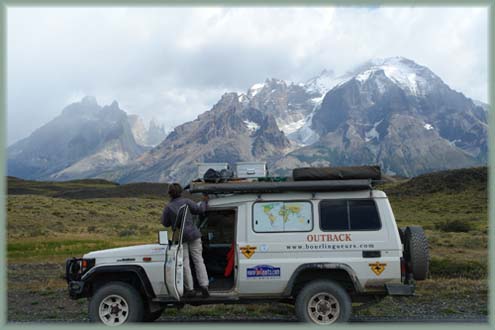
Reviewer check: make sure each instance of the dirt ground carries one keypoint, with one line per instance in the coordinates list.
(37, 293)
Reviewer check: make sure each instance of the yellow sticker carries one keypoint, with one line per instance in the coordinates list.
(377, 268)
(248, 251)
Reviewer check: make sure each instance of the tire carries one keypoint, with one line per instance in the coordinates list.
(416, 252)
(402, 235)
(311, 306)
(153, 316)
(124, 302)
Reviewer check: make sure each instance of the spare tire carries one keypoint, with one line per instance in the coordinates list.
(416, 252)
(402, 235)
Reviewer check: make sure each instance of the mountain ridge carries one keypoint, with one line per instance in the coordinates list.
(392, 112)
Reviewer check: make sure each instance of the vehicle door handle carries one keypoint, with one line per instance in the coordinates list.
(372, 254)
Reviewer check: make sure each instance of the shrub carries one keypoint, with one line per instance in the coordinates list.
(458, 268)
(455, 226)
(58, 226)
(58, 214)
(127, 232)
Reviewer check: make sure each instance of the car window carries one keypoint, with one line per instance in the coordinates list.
(333, 215)
(363, 215)
(282, 217)
(349, 215)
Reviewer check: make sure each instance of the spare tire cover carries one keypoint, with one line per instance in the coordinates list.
(416, 252)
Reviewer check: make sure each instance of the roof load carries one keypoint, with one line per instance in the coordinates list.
(337, 173)
(268, 187)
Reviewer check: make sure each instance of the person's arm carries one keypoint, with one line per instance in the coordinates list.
(198, 209)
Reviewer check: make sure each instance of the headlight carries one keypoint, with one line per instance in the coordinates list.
(76, 267)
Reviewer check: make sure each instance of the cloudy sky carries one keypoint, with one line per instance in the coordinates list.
(173, 63)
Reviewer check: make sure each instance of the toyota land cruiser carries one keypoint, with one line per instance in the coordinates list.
(320, 245)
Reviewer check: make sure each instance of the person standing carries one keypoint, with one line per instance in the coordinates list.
(191, 238)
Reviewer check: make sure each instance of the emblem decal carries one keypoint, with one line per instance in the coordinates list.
(248, 251)
(377, 268)
(263, 271)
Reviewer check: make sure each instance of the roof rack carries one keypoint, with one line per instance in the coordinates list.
(284, 186)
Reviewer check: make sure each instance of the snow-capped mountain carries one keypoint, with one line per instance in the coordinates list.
(397, 114)
(82, 141)
(392, 112)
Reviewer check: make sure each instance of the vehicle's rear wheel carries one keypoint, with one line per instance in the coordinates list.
(416, 252)
(402, 235)
(323, 302)
(116, 303)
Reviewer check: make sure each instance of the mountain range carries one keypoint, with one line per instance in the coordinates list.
(84, 140)
(392, 112)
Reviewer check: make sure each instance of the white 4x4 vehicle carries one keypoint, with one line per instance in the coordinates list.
(320, 245)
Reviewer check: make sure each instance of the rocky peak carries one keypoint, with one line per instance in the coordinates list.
(87, 107)
(89, 100)
(83, 140)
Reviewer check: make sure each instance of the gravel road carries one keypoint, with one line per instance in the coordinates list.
(37, 293)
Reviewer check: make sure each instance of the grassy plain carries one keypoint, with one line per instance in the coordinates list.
(51, 221)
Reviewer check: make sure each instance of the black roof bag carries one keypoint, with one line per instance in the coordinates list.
(337, 173)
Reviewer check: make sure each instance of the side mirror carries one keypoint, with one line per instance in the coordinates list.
(163, 237)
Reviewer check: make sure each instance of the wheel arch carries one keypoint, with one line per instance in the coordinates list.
(338, 272)
(132, 274)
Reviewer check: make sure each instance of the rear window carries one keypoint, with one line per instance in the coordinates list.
(349, 215)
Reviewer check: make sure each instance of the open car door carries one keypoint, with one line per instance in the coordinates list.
(174, 264)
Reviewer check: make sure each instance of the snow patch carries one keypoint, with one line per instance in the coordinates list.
(364, 75)
(304, 135)
(373, 133)
(428, 127)
(404, 73)
(317, 100)
(404, 76)
(292, 127)
(453, 142)
(242, 98)
(324, 82)
(251, 126)
(255, 89)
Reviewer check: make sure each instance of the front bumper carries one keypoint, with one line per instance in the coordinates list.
(73, 273)
(76, 289)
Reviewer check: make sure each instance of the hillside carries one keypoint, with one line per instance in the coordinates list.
(85, 189)
(450, 181)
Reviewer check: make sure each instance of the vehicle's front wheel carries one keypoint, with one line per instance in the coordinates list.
(116, 303)
(323, 302)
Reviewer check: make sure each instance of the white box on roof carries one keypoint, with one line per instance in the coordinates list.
(203, 167)
(250, 169)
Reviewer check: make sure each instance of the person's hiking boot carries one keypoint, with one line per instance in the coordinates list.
(189, 293)
(204, 292)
